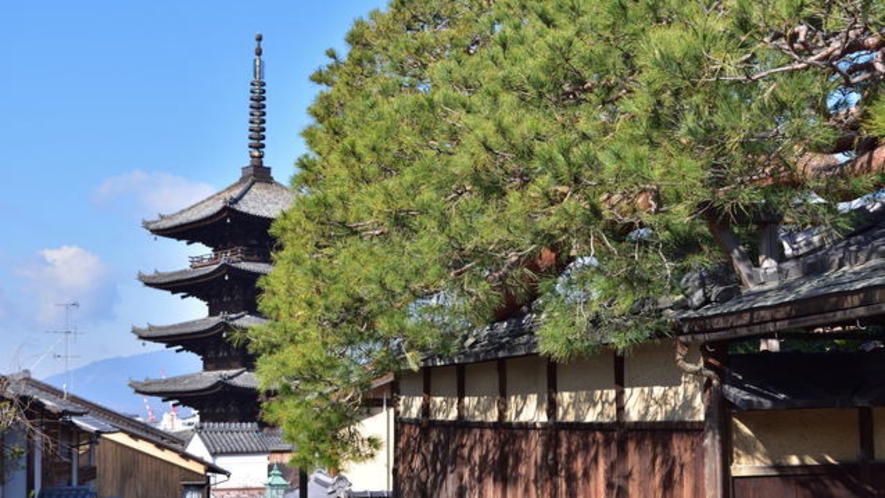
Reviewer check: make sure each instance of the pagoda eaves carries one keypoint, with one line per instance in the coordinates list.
(245, 200)
(195, 329)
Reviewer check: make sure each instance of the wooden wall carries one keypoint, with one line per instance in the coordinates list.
(609, 425)
(446, 459)
(127, 472)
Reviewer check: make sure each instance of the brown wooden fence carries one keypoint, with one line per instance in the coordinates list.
(464, 459)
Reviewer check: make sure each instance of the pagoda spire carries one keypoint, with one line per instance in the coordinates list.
(256, 168)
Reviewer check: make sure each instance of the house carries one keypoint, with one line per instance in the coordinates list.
(71, 445)
(247, 450)
(771, 386)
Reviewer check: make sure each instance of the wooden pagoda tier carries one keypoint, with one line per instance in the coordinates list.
(238, 216)
(227, 287)
(218, 395)
(207, 338)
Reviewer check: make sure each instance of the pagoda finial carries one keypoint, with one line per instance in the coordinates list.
(256, 109)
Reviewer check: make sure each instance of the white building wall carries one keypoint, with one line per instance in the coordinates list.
(246, 471)
(374, 474)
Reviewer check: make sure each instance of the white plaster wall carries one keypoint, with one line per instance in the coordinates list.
(586, 389)
(374, 474)
(795, 437)
(197, 448)
(481, 392)
(246, 471)
(444, 393)
(527, 389)
(411, 388)
(655, 390)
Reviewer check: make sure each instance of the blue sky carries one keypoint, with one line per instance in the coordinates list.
(113, 112)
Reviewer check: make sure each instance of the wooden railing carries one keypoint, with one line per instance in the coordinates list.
(233, 255)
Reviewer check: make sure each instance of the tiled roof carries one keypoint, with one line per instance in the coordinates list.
(86, 414)
(239, 438)
(159, 278)
(264, 199)
(827, 279)
(844, 280)
(197, 383)
(197, 327)
(507, 339)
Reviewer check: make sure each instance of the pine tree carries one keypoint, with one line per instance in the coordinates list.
(474, 158)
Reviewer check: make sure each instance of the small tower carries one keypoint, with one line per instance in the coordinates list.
(235, 224)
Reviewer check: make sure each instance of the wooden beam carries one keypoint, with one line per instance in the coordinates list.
(769, 246)
(744, 324)
(741, 263)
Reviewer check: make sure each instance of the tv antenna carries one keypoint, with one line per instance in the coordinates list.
(68, 334)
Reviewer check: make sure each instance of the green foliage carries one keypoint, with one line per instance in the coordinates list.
(466, 152)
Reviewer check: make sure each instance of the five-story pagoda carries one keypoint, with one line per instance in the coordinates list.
(235, 224)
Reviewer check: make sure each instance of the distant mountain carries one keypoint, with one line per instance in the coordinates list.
(106, 382)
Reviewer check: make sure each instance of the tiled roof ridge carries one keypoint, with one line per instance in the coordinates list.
(116, 419)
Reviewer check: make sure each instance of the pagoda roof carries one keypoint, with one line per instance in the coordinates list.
(197, 384)
(165, 279)
(227, 438)
(198, 328)
(252, 195)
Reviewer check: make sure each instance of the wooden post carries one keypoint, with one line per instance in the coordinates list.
(502, 436)
(502, 391)
(425, 395)
(551, 435)
(460, 387)
(716, 420)
(621, 469)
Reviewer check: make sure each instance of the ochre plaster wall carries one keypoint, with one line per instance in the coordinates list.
(443, 393)
(794, 437)
(411, 386)
(879, 432)
(655, 390)
(527, 389)
(586, 389)
(481, 392)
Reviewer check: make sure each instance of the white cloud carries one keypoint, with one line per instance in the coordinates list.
(147, 194)
(69, 274)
